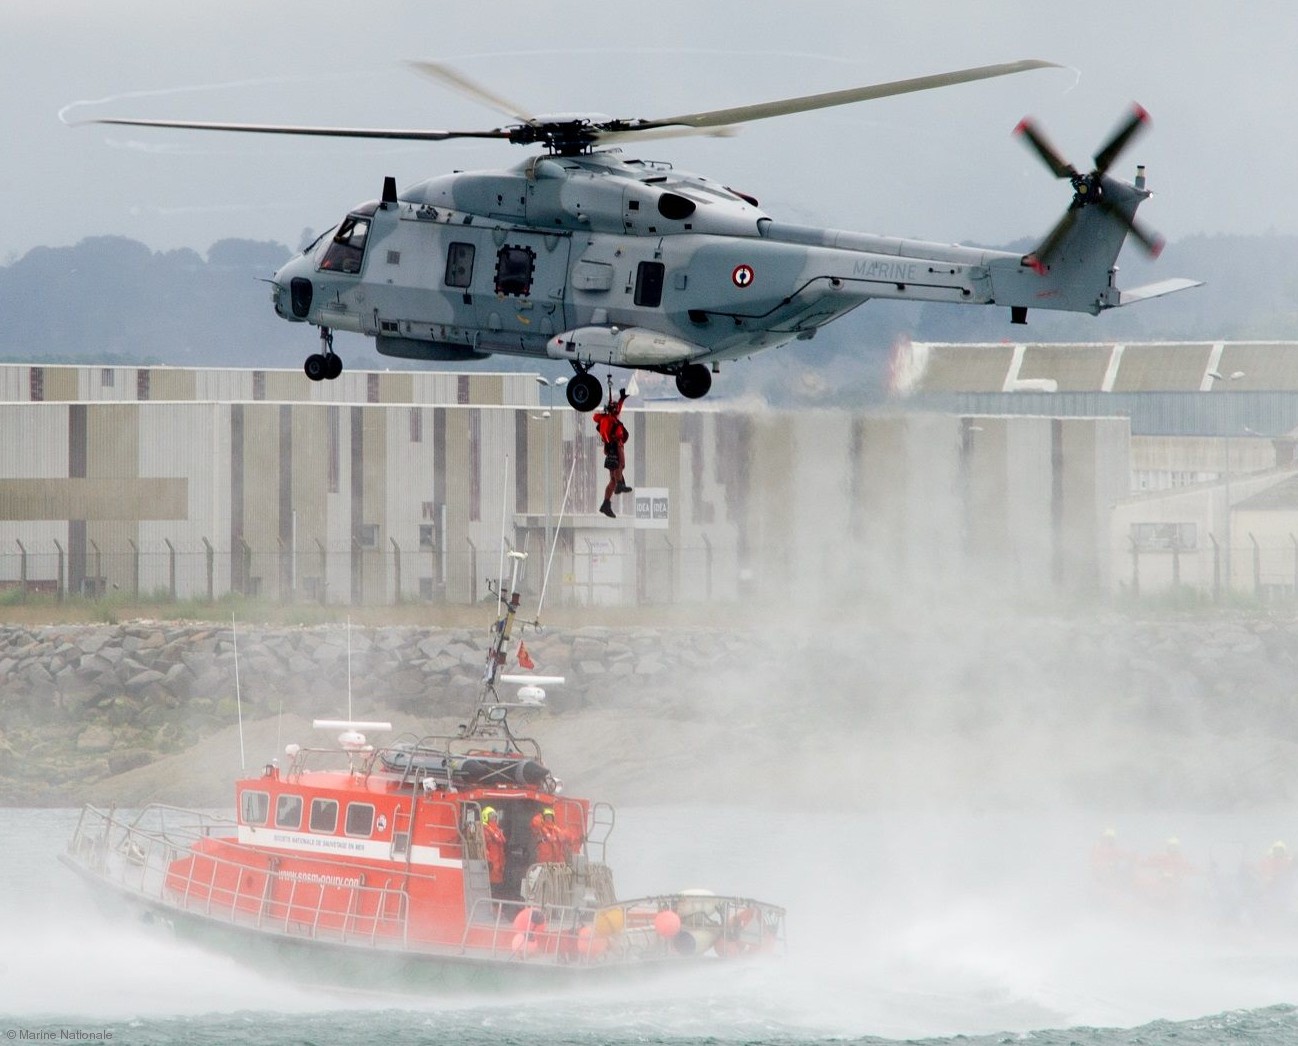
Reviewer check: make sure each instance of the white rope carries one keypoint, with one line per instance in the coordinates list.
(504, 505)
(554, 543)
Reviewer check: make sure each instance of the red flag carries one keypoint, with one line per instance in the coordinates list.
(524, 658)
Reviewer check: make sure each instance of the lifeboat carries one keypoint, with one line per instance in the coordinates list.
(381, 850)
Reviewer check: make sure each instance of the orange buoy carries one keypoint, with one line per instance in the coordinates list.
(667, 923)
(529, 919)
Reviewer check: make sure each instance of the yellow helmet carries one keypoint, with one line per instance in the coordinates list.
(488, 812)
(548, 812)
(1278, 848)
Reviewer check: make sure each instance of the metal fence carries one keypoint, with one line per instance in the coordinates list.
(580, 573)
(1261, 569)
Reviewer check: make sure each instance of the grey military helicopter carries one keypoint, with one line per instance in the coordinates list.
(583, 254)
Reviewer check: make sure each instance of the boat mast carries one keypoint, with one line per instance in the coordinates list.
(498, 654)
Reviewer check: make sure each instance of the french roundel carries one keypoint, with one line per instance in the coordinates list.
(742, 276)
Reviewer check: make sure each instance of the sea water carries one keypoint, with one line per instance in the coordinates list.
(916, 927)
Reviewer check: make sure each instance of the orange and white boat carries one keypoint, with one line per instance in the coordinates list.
(376, 856)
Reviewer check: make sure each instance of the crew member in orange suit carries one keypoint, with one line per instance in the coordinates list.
(614, 434)
(494, 838)
(549, 838)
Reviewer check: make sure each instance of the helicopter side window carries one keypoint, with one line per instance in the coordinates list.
(514, 268)
(459, 265)
(649, 284)
(348, 247)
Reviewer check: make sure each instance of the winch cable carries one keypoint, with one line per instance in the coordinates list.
(554, 542)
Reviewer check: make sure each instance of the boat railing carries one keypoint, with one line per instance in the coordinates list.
(646, 929)
(477, 744)
(100, 832)
(162, 866)
(434, 760)
(136, 853)
(159, 859)
(419, 760)
(329, 759)
(602, 817)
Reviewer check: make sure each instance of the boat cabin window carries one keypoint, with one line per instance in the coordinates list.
(255, 807)
(649, 284)
(348, 247)
(324, 815)
(514, 269)
(360, 819)
(288, 811)
(459, 265)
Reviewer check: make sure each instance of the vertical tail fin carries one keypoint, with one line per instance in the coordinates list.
(1073, 267)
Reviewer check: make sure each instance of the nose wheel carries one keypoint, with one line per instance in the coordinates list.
(326, 364)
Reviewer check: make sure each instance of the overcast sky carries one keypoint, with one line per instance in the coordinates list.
(1217, 77)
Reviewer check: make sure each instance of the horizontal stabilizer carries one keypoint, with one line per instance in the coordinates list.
(1156, 290)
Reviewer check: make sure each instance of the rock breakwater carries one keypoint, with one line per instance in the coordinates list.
(996, 708)
(82, 703)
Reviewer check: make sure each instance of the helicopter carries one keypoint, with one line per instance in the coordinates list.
(581, 253)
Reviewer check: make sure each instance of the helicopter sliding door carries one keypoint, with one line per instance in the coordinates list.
(520, 287)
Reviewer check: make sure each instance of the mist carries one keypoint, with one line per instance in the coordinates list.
(907, 750)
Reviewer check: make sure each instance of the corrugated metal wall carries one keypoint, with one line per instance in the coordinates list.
(1268, 413)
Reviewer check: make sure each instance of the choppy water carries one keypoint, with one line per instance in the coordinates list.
(917, 928)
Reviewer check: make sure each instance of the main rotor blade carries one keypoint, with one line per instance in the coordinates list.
(460, 82)
(1135, 122)
(659, 133)
(323, 132)
(1061, 167)
(806, 103)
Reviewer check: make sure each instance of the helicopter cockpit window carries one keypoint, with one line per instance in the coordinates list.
(649, 284)
(348, 247)
(514, 268)
(459, 265)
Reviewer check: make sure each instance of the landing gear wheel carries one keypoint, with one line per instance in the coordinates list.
(316, 366)
(584, 393)
(693, 381)
(333, 366)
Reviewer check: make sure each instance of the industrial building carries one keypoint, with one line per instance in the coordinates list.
(384, 487)
(1211, 499)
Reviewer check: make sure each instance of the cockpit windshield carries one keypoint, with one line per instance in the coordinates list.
(348, 247)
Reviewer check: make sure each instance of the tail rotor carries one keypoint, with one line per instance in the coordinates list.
(1088, 189)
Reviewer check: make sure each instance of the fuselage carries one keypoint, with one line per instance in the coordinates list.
(470, 264)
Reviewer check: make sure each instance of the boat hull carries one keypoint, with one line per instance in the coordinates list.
(357, 967)
(161, 866)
